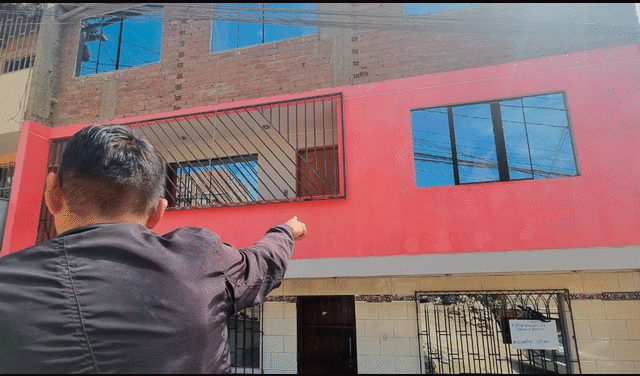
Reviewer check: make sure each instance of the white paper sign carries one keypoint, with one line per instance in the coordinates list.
(534, 334)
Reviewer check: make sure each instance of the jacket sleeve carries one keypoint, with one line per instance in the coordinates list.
(256, 270)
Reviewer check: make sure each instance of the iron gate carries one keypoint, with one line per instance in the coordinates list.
(469, 331)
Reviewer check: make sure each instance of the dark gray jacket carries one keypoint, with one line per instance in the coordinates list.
(119, 298)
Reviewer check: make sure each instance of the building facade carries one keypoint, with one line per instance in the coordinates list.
(460, 172)
(19, 29)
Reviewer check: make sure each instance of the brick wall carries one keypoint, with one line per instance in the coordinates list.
(189, 75)
(487, 35)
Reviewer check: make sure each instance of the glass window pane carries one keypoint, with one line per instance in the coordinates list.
(515, 139)
(475, 143)
(233, 34)
(429, 8)
(250, 34)
(141, 39)
(225, 35)
(549, 136)
(274, 32)
(432, 147)
(140, 44)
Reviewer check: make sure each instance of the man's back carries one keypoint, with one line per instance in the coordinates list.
(119, 298)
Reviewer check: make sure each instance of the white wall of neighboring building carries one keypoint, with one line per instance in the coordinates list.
(12, 104)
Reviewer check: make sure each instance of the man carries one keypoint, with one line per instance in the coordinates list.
(108, 295)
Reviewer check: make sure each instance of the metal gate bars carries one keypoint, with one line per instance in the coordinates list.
(469, 332)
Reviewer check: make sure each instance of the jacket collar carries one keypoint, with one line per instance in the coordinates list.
(80, 229)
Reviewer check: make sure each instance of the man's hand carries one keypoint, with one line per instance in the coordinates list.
(299, 228)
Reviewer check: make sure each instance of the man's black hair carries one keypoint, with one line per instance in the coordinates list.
(110, 170)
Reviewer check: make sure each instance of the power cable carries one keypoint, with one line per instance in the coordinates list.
(410, 23)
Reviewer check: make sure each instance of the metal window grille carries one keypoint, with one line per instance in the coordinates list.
(272, 152)
(469, 332)
(245, 339)
(19, 27)
(6, 179)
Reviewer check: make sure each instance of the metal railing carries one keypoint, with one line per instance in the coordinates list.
(245, 340)
(469, 332)
(19, 27)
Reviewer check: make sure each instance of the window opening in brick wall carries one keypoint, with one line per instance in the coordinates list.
(119, 40)
(6, 179)
(19, 27)
(246, 24)
(470, 332)
(245, 340)
(512, 139)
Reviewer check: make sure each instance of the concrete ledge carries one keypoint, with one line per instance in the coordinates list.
(545, 260)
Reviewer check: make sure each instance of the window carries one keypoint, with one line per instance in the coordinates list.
(19, 27)
(213, 181)
(469, 332)
(6, 178)
(245, 338)
(271, 152)
(513, 139)
(18, 64)
(119, 40)
(246, 24)
(430, 8)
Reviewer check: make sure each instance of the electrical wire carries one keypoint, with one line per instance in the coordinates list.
(351, 19)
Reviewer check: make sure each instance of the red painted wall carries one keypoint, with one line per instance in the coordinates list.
(385, 214)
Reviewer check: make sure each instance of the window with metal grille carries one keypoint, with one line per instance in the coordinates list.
(272, 152)
(19, 27)
(511, 139)
(245, 339)
(246, 24)
(14, 65)
(6, 179)
(469, 332)
(119, 40)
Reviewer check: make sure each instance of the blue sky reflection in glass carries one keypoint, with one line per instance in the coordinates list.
(141, 41)
(475, 143)
(537, 138)
(543, 120)
(432, 147)
(230, 181)
(430, 8)
(234, 34)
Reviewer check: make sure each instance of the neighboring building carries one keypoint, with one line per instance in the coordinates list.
(457, 170)
(19, 26)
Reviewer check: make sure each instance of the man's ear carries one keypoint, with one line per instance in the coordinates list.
(157, 213)
(53, 197)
